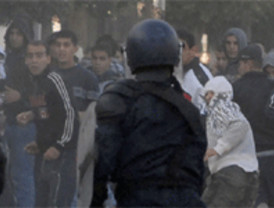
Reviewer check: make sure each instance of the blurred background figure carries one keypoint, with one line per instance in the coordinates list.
(102, 65)
(220, 62)
(86, 60)
(53, 50)
(114, 53)
(2, 64)
(268, 64)
(234, 40)
(195, 74)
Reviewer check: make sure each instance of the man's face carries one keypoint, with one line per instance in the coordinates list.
(208, 96)
(188, 53)
(36, 59)
(16, 38)
(270, 70)
(65, 50)
(244, 67)
(100, 61)
(221, 60)
(231, 46)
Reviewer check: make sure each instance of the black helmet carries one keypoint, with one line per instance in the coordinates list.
(152, 43)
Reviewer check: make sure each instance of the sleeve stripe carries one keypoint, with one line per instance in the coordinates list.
(69, 122)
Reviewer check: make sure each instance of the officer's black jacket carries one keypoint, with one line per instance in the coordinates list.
(144, 140)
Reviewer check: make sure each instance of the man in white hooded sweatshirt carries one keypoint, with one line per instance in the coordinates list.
(231, 155)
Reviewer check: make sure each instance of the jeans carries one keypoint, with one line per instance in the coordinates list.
(21, 163)
(231, 187)
(55, 180)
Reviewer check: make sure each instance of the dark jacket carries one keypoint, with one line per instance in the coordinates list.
(252, 92)
(144, 140)
(16, 70)
(83, 84)
(55, 117)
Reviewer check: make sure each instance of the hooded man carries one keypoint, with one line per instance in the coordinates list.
(231, 154)
(18, 34)
(268, 64)
(234, 40)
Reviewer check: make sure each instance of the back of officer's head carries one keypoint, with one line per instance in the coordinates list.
(152, 43)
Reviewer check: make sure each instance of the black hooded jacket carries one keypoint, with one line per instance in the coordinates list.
(253, 92)
(16, 70)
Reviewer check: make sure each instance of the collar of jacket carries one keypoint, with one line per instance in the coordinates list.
(159, 75)
(42, 75)
(254, 74)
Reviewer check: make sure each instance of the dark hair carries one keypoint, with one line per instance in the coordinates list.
(187, 36)
(102, 47)
(107, 39)
(39, 43)
(67, 34)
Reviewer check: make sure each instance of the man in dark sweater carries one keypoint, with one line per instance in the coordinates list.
(57, 129)
(83, 83)
(102, 67)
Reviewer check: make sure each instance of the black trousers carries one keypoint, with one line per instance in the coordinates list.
(55, 181)
(231, 187)
(157, 196)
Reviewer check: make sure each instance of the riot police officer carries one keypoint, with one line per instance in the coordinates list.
(150, 140)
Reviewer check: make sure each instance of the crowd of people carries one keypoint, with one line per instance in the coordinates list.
(178, 133)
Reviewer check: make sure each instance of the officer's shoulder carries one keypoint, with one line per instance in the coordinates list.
(112, 101)
(125, 88)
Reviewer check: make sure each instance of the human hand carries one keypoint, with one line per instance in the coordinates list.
(209, 153)
(51, 154)
(32, 148)
(11, 95)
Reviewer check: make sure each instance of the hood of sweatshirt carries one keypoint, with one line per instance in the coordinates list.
(24, 24)
(268, 59)
(240, 36)
(220, 110)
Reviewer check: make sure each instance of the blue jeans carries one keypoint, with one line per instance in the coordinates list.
(21, 163)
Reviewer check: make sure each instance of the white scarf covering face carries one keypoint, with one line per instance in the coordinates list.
(221, 110)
